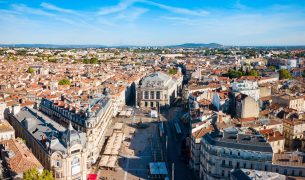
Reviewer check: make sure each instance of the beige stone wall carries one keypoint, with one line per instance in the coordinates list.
(250, 108)
(264, 92)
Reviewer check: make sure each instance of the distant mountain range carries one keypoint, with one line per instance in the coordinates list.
(186, 45)
(198, 45)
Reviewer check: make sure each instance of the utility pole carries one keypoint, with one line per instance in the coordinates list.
(173, 171)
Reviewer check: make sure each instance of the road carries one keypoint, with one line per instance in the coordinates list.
(181, 170)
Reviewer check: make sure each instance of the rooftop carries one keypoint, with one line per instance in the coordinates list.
(51, 135)
(239, 138)
(5, 126)
(247, 174)
(18, 157)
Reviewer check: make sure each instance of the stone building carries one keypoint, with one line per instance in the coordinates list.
(92, 117)
(230, 148)
(293, 130)
(158, 89)
(293, 102)
(244, 148)
(59, 149)
(246, 106)
(247, 87)
(7, 132)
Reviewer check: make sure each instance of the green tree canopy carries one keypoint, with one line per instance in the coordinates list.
(284, 74)
(172, 71)
(33, 174)
(252, 73)
(234, 73)
(46, 175)
(272, 68)
(64, 82)
(30, 70)
(90, 61)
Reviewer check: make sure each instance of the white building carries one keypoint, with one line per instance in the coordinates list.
(224, 150)
(158, 89)
(247, 87)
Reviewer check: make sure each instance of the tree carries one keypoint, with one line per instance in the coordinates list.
(172, 71)
(33, 174)
(234, 73)
(252, 73)
(284, 74)
(90, 61)
(272, 68)
(64, 82)
(30, 70)
(46, 175)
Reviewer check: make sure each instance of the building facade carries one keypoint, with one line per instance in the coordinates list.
(158, 89)
(92, 118)
(59, 149)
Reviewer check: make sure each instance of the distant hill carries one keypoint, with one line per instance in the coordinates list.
(197, 45)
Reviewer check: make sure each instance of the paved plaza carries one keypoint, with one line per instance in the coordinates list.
(136, 151)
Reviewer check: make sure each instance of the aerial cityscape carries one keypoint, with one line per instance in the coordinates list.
(152, 90)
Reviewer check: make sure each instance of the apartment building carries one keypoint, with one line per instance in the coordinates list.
(293, 130)
(247, 87)
(91, 117)
(231, 148)
(291, 101)
(59, 149)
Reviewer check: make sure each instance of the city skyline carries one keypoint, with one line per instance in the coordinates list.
(153, 23)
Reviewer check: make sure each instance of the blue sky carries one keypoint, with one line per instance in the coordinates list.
(153, 22)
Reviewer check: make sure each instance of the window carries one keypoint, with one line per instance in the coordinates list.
(230, 163)
(300, 173)
(158, 95)
(223, 162)
(285, 171)
(251, 166)
(146, 95)
(152, 95)
(145, 104)
(75, 151)
(266, 167)
(222, 173)
(75, 166)
(292, 172)
(151, 104)
(57, 163)
(245, 165)
(238, 153)
(237, 165)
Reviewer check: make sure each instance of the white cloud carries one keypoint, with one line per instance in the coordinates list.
(58, 9)
(178, 10)
(117, 8)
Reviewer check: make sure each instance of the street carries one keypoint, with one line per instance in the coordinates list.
(181, 170)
